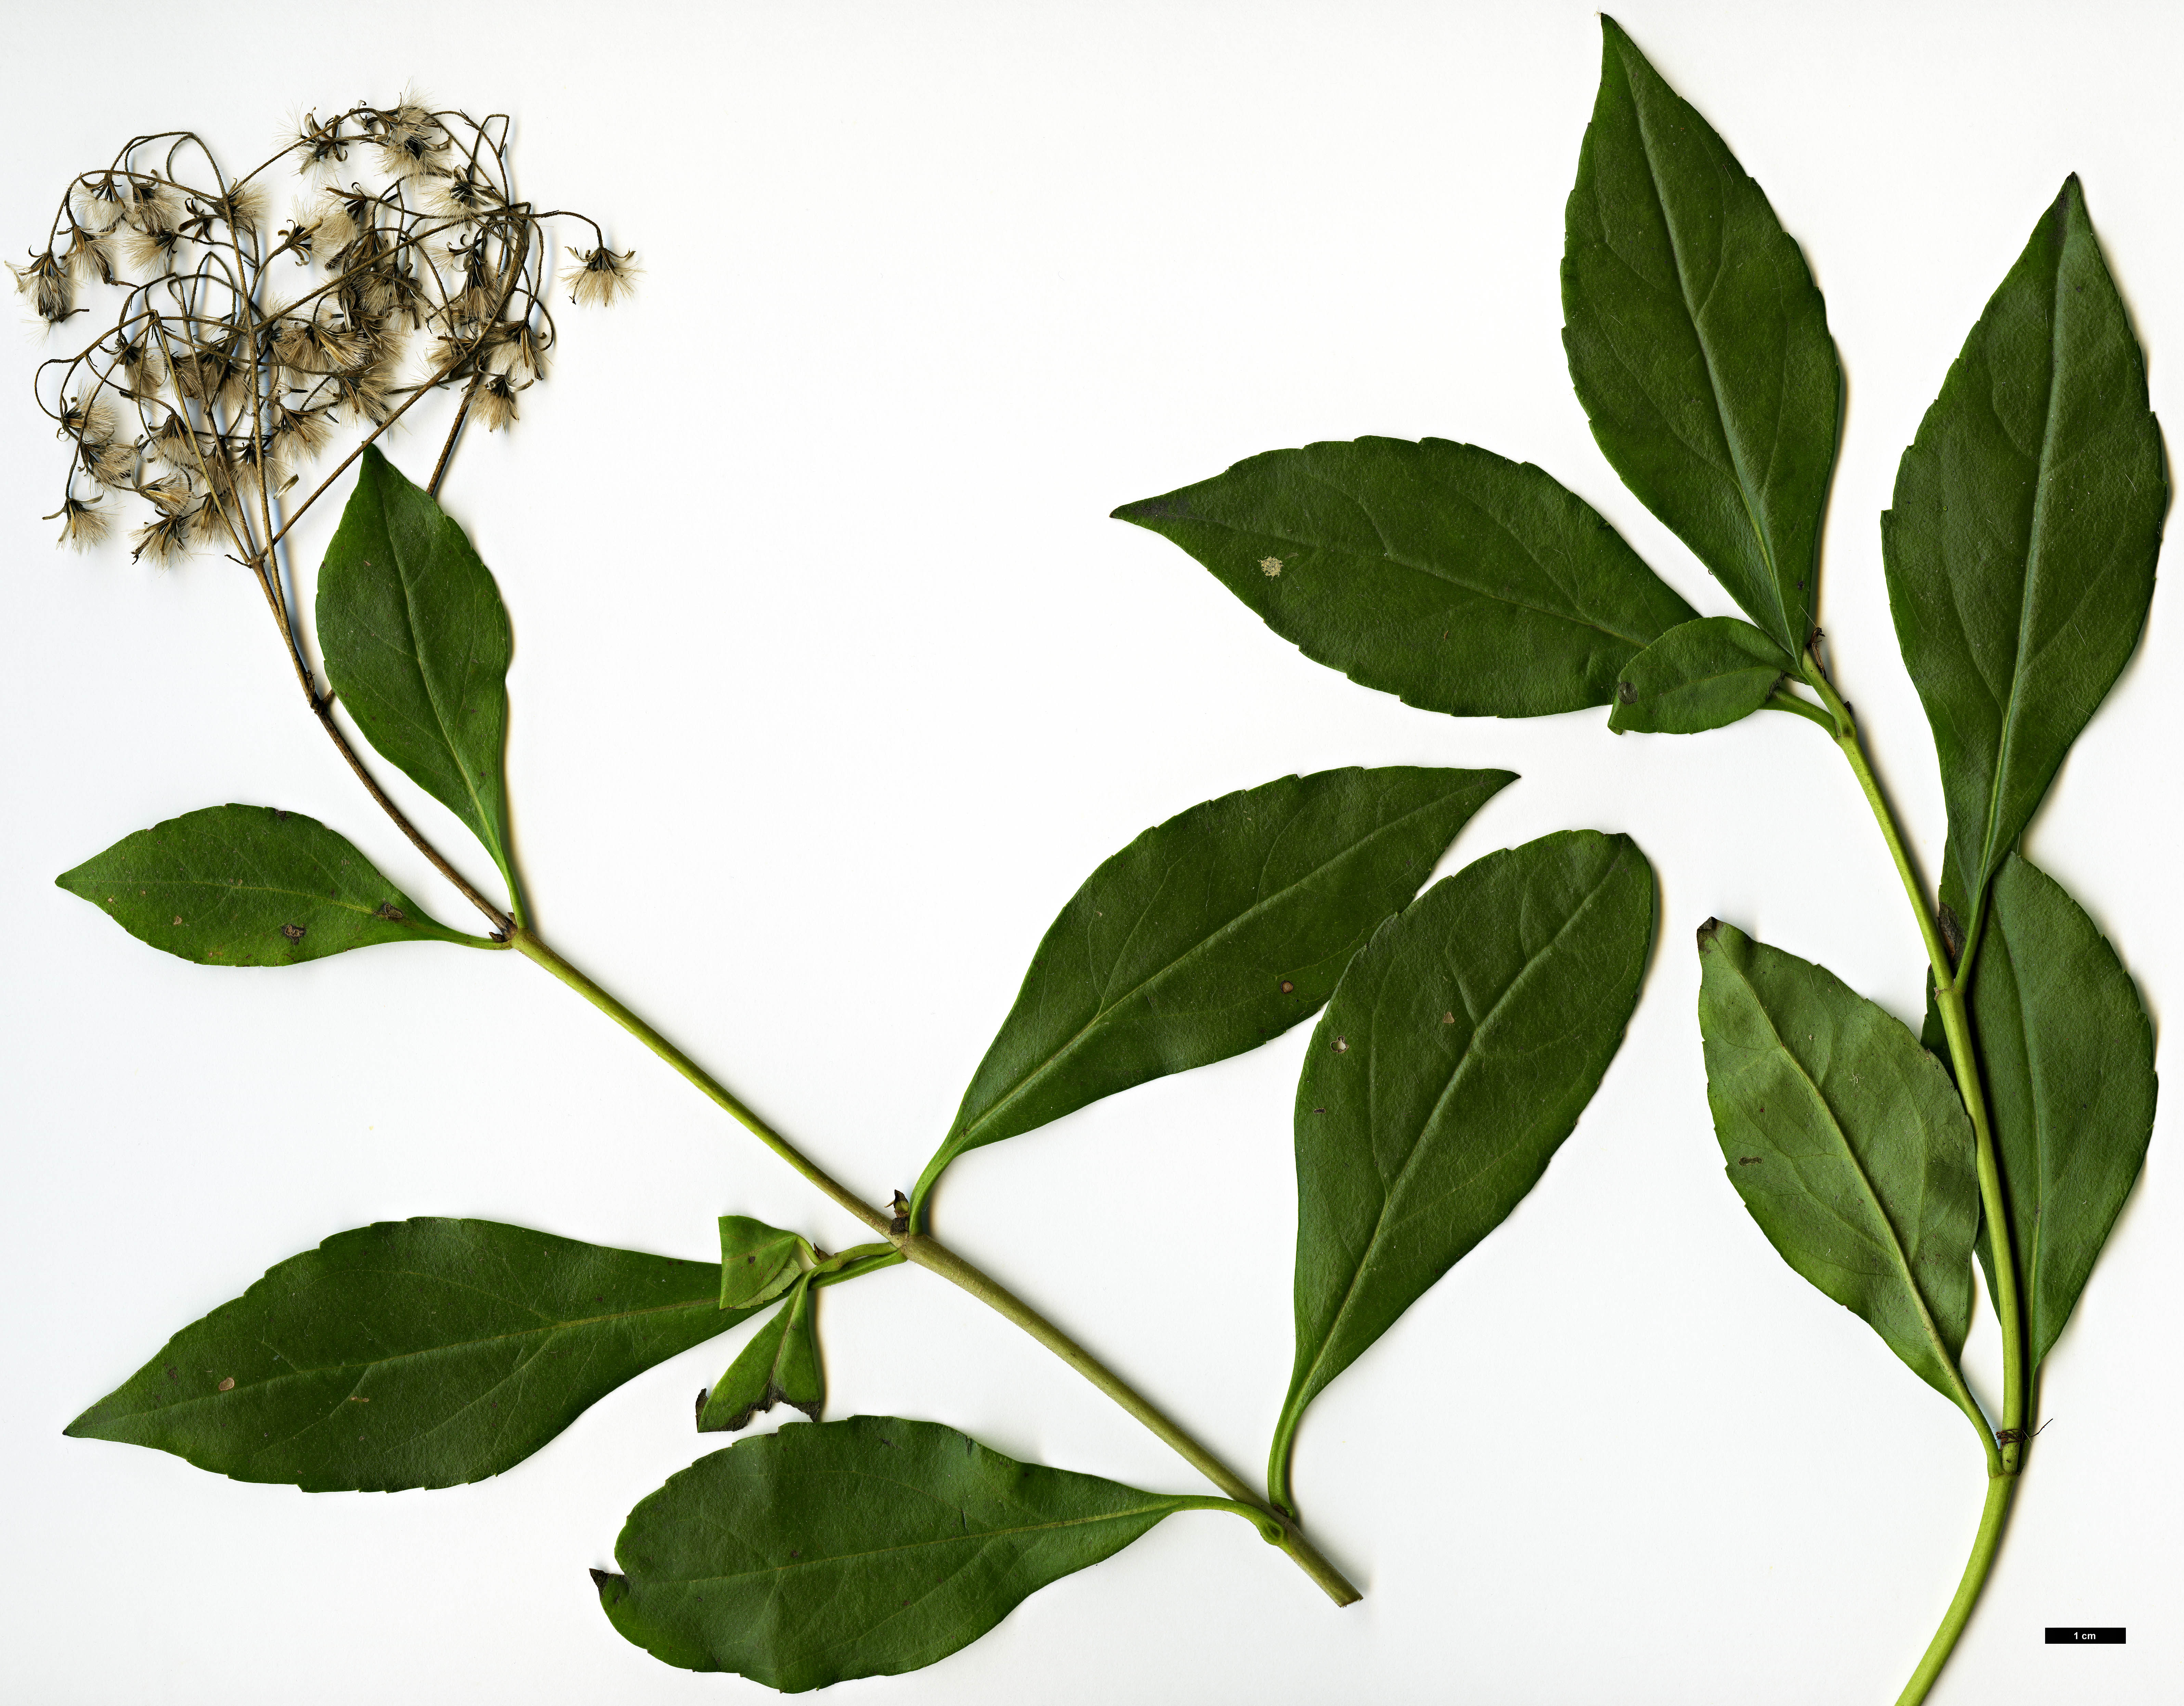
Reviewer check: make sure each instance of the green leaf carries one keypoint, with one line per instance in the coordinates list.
(2067, 1051)
(1698, 343)
(1207, 935)
(1705, 674)
(863, 1548)
(249, 886)
(780, 1365)
(2021, 541)
(1455, 1058)
(417, 645)
(1437, 571)
(1847, 1143)
(410, 1353)
(758, 1261)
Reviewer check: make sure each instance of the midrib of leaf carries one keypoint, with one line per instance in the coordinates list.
(969, 1537)
(1895, 1241)
(2033, 564)
(545, 1329)
(221, 886)
(431, 692)
(1428, 570)
(1462, 1066)
(1203, 945)
(1706, 353)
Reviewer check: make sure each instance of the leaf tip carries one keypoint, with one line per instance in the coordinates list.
(613, 1589)
(1709, 933)
(1151, 512)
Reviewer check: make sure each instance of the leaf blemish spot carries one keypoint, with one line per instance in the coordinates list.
(1271, 565)
(1342, 1045)
(227, 1384)
(1288, 989)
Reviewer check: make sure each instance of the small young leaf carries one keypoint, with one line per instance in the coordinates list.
(417, 646)
(1208, 934)
(780, 1365)
(1705, 674)
(410, 1353)
(758, 1261)
(1464, 583)
(2021, 543)
(1847, 1143)
(1698, 343)
(863, 1548)
(249, 886)
(1455, 1058)
(2067, 1051)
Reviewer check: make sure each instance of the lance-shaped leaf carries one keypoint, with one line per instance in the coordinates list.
(2020, 544)
(417, 645)
(862, 1547)
(249, 886)
(1455, 1058)
(1464, 583)
(2067, 1055)
(780, 1365)
(758, 1261)
(1705, 674)
(411, 1353)
(1698, 343)
(1847, 1143)
(1208, 934)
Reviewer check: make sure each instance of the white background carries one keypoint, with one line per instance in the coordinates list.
(833, 681)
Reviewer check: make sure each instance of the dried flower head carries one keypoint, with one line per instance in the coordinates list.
(463, 193)
(242, 209)
(150, 203)
(151, 248)
(320, 149)
(83, 523)
(411, 142)
(99, 200)
(89, 259)
(494, 401)
(518, 348)
(168, 492)
(166, 537)
(600, 276)
(48, 285)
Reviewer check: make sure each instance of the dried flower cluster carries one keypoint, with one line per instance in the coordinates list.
(241, 347)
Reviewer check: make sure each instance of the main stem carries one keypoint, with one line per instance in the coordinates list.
(2005, 1446)
(1999, 1492)
(928, 1253)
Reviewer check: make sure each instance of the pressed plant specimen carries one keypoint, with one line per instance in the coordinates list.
(2020, 552)
(1461, 1033)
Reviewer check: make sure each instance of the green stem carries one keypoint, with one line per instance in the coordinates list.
(1999, 1490)
(526, 943)
(929, 1253)
(2005, 1449)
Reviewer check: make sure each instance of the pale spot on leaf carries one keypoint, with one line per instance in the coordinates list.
(1271, 565)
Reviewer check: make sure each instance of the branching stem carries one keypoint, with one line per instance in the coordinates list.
(927, 1251)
